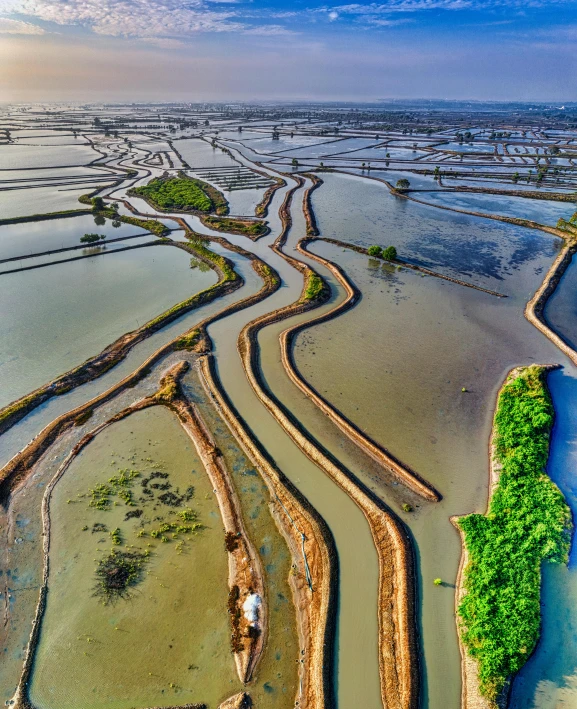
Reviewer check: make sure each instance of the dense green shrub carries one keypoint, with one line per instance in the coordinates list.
(527, 522)
(157, 228)
(92, 238)
(315, 286)
(186, 193)
(375, 251)
(390, 253)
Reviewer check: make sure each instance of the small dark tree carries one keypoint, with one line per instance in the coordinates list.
(92, 238)
(403, 184)
(375, 250)
(97, 204)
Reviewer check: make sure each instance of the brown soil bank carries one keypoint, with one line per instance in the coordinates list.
(398, 650)
(535, 307)
(314, 581)
(398, 653)
(21, 464)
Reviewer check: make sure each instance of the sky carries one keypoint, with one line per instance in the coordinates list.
(255, 50)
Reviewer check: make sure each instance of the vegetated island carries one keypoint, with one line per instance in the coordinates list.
(182, 193)
(527, 522)
(234, 225)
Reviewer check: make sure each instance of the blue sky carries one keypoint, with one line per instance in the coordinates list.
(278, 49)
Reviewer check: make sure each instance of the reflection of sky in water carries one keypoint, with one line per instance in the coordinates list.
(541, 211)
(561, 308)
(363, 212)
(549, 679)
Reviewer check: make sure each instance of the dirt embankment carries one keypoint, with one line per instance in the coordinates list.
(245, 573)
(21, 464)
(308, 211)
(314, 581)
(535, 307)
(381, 455)
(527, 194)
(398, 651)
(398, 656)
(261, 209)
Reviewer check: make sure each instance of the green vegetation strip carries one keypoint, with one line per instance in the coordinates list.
(42, 217)
(527, 523)
(151, 225)
(183, 193)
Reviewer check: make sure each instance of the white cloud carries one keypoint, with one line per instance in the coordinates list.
(133, 18)
(8, 26)
(391, 6)
(163, 42)
(333, 15)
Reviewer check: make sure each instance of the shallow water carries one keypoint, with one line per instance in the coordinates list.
(169, 642)
(101, 249)
(34, 237)
(14, 439)
(409, 347)
(486, 252)
(541, 211)
(56, 317)
(42, 200)
(199, 153)
(561, 308)
(34, 156)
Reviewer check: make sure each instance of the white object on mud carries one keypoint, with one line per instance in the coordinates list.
(251, 607)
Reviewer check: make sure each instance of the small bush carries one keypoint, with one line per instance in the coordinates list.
(375, 251)
(390, 253)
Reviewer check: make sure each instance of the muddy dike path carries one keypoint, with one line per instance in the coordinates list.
(356, 663)
(357, 653)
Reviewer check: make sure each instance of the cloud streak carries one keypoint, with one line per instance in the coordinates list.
(9, 26)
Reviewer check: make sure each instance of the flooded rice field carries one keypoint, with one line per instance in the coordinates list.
(71, 311)
(415, 364)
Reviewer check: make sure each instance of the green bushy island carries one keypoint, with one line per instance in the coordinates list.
(245, 227)
(528, 522)
(182, 192)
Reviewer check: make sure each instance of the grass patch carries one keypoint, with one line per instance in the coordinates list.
(315, 286)
(184, 193)
(527, 523)
(188, 341)
(41, 217)
(117, 573)
(151, 225)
